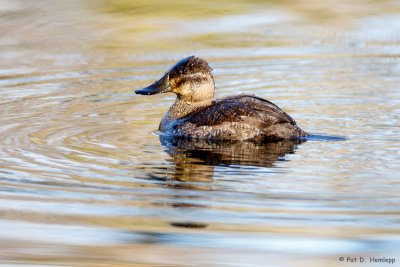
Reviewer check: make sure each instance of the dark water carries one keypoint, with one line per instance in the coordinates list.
(86, 181)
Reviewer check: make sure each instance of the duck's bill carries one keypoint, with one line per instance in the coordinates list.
(160, 86)
(149, 90)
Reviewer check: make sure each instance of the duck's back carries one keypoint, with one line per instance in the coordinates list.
(241, 117)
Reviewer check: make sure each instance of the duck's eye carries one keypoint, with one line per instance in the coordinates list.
(183, 70)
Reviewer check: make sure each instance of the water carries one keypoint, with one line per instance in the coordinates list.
(86, 181)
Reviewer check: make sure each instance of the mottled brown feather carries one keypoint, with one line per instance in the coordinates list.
(241, 117)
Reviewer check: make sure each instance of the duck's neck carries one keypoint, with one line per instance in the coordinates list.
(179, 110)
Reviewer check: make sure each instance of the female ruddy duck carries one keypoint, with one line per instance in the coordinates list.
(195, 115)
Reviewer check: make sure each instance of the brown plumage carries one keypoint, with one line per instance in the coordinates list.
(195, 115)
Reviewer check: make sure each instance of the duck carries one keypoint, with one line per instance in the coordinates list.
(195, 115)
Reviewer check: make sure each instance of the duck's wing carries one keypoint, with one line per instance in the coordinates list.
(242, 108)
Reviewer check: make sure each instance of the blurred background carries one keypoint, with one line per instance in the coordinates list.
(86, 181)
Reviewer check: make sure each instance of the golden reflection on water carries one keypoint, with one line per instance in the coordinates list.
(86, 182)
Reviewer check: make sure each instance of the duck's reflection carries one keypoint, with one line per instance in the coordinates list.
(195, 161)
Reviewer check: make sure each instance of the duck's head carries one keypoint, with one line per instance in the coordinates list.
(190, 79)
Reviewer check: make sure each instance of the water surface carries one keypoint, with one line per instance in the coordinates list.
(85, 181)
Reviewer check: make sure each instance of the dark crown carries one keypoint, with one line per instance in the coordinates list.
(188, 66)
